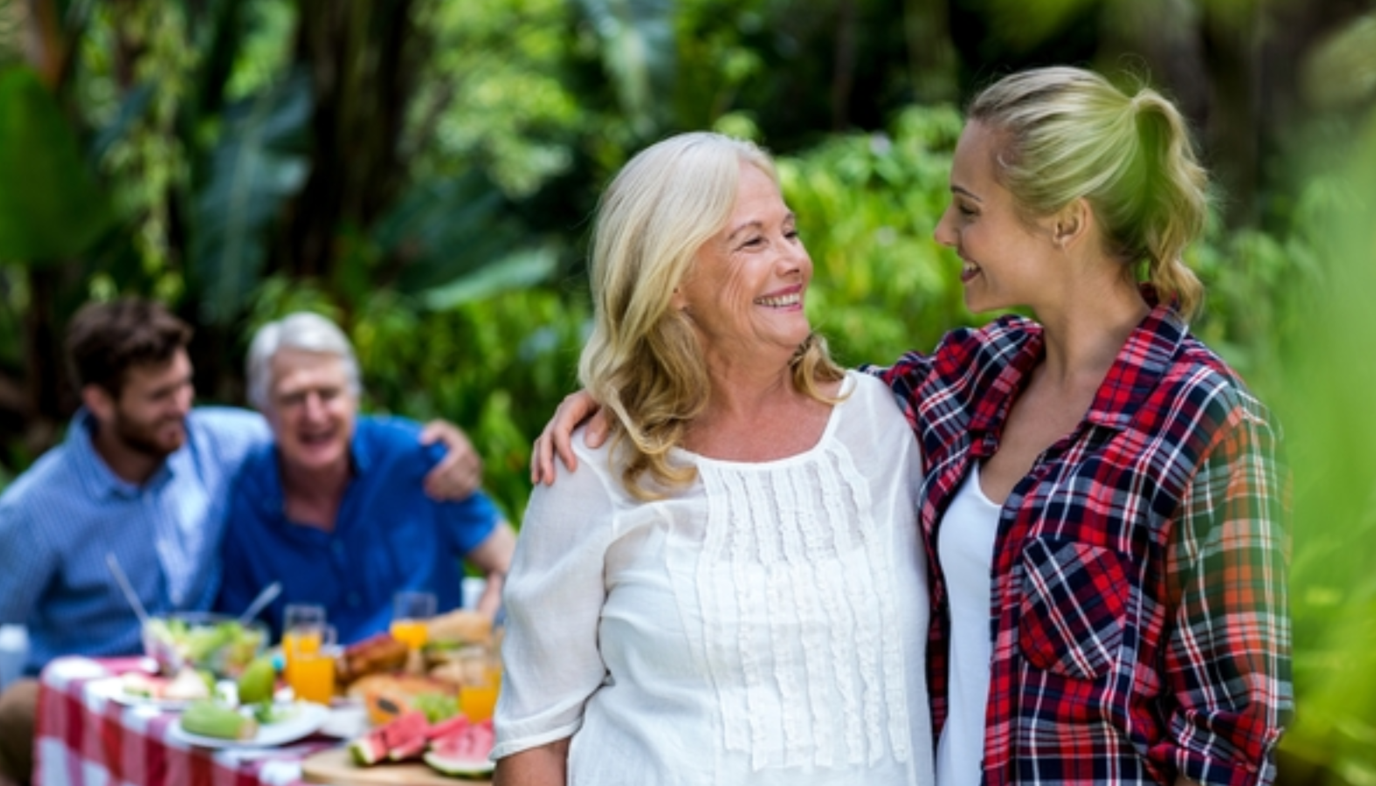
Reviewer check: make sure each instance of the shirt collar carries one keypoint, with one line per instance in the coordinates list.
(1143, 360)
(1014, 363)
(1135, 372)
(359, 449)
(101, 481)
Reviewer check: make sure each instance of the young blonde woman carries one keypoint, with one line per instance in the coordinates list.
(734, 590)
(1103, 502)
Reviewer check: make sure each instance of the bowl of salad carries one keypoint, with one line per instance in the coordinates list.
(215, 643)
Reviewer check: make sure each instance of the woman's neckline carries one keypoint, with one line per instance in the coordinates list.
(847, 387)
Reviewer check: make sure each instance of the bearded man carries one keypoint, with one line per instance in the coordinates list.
(143, 476)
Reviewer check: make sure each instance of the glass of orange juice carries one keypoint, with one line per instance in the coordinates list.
(311, 652)
(301, 623)
(410, 612)
(480, 668)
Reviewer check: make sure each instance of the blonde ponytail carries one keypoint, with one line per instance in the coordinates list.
(1178, 189)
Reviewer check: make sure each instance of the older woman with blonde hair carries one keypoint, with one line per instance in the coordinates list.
(732, 589)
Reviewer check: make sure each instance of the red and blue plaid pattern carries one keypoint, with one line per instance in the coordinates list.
(1139, 600)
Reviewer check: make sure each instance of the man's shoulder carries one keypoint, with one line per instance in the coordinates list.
(226, 434)
(392, 439)
(392, 429)
(50, 479)
(228, 423)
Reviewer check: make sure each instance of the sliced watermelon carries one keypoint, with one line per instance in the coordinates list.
(368, 749)
(460, 766)
(454, 725)
(463, 750)
(409, 749)
(405, 729)
(400, 739)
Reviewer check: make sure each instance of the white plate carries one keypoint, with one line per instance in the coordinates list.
(347, 720)
(112, 689)
(306, 719)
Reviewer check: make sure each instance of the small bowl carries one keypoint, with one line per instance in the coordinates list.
(217, 643)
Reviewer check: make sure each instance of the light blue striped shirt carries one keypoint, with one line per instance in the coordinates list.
(60, 518)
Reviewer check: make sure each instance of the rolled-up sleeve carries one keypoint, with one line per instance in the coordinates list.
(553, 599)
(1228, 656)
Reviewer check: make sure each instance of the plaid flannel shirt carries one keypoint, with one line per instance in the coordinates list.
(1139, 616)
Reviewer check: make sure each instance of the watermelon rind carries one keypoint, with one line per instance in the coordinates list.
(368, 750)
(409, 749)
(459, 767)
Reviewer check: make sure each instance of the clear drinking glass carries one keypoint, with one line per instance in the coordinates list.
(480, 668)
(302, 624)
(410, 612)
(310, 649)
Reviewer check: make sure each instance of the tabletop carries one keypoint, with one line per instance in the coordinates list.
(84, 737)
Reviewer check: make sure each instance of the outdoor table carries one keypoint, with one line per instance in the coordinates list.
(87, 739)
(84, 739)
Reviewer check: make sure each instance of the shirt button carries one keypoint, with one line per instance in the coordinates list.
(354, 600)
(337, 548)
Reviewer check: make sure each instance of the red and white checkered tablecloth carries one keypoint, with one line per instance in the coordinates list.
(84, 739)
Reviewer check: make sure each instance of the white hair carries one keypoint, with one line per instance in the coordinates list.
(304, 331)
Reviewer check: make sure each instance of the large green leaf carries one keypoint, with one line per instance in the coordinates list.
(132, 109)
(457, 240)
(51, 207)
(521, 269)
(257, 165)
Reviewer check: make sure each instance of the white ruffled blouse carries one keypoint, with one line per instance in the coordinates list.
(764, 626)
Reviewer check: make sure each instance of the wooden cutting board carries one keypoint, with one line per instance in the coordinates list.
(335, 766)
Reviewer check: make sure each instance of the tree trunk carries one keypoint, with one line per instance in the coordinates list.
(363, 76)
(43, 372)
(843, 67)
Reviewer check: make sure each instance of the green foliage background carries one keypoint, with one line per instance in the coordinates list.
(170, 155)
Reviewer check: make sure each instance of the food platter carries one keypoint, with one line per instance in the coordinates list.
(334, 767)
(113, 689)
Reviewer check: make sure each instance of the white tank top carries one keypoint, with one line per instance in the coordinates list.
(965, 546)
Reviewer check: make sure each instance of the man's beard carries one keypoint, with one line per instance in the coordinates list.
(141, 438)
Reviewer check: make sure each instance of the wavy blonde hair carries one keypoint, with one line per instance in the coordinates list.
(643, 361)
(1072, 134)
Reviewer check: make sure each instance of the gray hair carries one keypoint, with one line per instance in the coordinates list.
(304, 331)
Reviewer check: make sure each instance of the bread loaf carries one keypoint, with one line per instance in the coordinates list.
(461, 626)
(377, 654)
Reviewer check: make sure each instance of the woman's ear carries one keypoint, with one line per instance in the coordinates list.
(677, 300)
(1071, 223)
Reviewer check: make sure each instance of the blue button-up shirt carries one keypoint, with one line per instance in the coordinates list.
(60, 518)
(388, 535)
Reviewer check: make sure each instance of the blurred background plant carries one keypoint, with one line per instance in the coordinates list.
(424, 171)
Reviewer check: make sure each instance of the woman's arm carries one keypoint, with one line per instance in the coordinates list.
(1227, 654)
(546, 765)
(551, 656)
